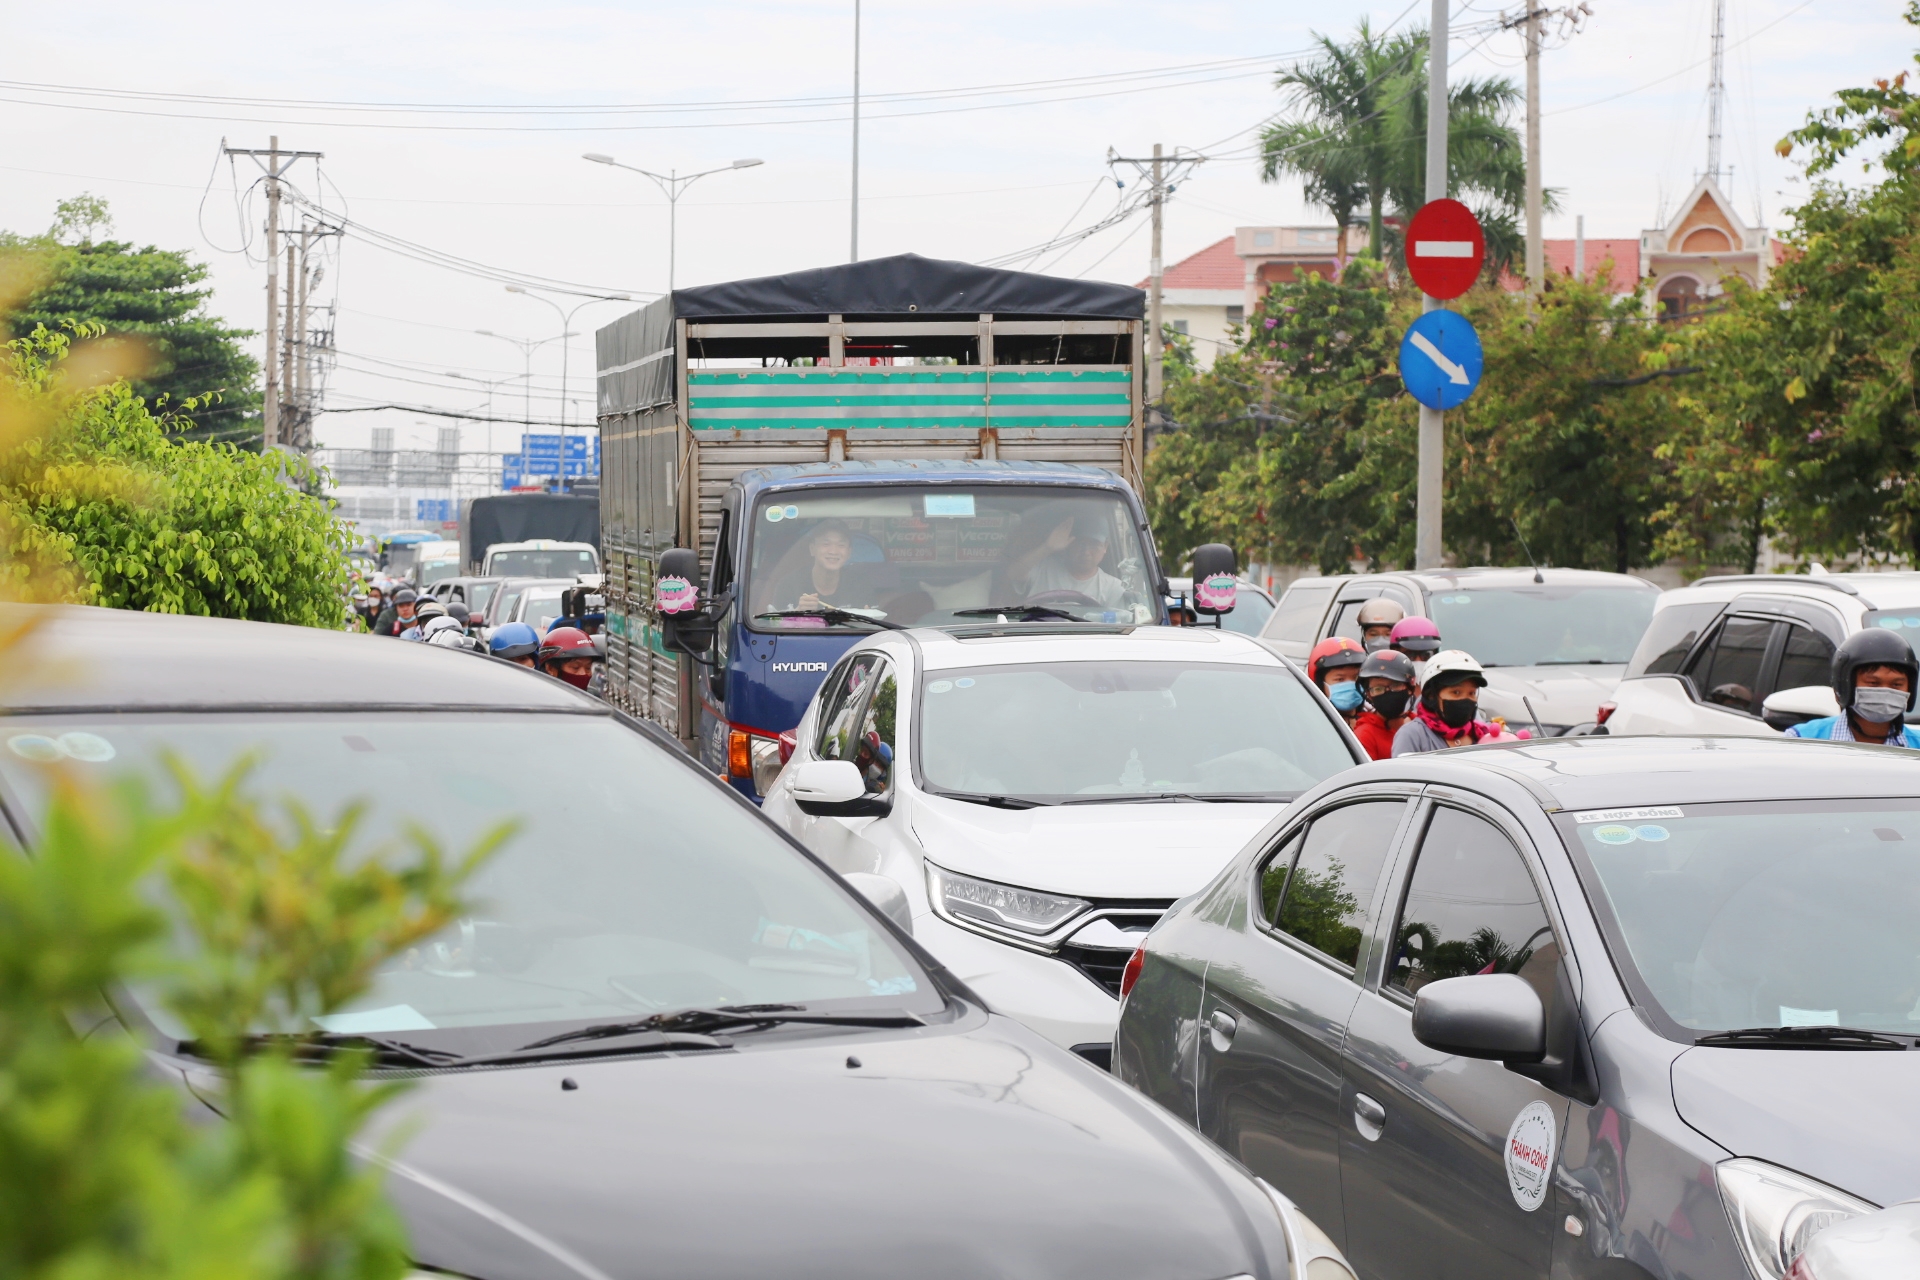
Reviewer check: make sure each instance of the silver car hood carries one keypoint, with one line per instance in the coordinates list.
(1561, 696)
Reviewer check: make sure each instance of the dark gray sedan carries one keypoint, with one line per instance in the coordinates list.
(1582, 1008)
(668, 1042)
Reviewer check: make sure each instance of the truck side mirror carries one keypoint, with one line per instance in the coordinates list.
(684, 625)
(1214, 581)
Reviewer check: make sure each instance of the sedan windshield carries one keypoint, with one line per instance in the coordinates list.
(1060, 731)
(629, 888)
(1782, 914)
(1545, 625)
(932, 556)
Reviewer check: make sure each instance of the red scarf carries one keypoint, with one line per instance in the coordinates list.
(1477, 729)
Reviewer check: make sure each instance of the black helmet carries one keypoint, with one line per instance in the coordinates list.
(1874, 647)
(405, 595)
(458, 609)
(429, 608)
(1387, 664)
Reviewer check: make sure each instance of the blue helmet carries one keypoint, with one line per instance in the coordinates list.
(514, 640)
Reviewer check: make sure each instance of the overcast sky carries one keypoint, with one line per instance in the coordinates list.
(969, 177)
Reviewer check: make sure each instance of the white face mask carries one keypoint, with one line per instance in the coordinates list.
(1879, 706)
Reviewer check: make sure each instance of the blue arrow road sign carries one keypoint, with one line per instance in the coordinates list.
(1440, 359)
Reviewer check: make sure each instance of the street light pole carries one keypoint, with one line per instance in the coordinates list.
(566, 326)
(671, 183)
(527, 347)
(489, 384)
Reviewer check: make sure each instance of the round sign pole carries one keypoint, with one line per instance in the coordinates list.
(1432, 458)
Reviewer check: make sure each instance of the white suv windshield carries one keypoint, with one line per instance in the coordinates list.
(1782, 914)
(926, 556)
(629, 888)
(541, 564)
(1544, 625)
(1060, 731)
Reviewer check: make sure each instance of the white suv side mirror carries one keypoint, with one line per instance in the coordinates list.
(834, 788)
(1787, 707)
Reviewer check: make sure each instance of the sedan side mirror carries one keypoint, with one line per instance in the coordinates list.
(1494, 1015)
(834, 789)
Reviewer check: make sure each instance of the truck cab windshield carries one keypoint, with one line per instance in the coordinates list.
(922, 555)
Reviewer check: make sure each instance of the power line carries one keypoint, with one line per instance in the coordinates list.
(1671, 75)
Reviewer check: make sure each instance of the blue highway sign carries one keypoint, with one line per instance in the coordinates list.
(1440, 359)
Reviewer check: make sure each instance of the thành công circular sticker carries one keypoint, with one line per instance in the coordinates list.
(1530, 1144)
(939, 686)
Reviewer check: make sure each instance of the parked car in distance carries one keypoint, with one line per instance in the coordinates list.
(540, 558)
(1561, 1008)
(1557, 638)
(798, 1089)
(1251, 609)
(1037, 795)
(1718, 651)
(470, 591)
(504, 606)
(436, 562)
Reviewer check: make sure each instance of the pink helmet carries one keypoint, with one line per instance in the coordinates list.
(1416, 637)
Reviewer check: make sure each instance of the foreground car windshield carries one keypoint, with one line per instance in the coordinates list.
(923, 556)
(1782, 914)
(629, 889)
(1060, 730)
(1544, 625)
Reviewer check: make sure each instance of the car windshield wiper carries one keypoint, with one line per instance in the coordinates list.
(832, 617)
(995, 802)
(1573, 662)
(1801, 1038)
(698, 1021)
(1191, 797)
(1026, 612)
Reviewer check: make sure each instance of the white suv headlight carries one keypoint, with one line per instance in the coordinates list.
(1000, 906)
(1776, 1212)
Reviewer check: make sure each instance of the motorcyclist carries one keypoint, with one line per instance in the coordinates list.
(1386, 678)
(516, 642)
(1418, 638)
(1448, 713)
(398, 615)
(1334, 665)
(458, 611)
(447, 633)
(568, 653)
(1377, 619)
(426, 611)
(1874, 679)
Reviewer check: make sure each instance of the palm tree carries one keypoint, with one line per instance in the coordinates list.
(1358, 135)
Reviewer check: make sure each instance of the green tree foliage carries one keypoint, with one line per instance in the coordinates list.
(1356, 137)
(102, 1173)
(150, 298)
(142, 521)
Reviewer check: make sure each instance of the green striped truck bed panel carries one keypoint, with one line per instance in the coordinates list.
(776, 399)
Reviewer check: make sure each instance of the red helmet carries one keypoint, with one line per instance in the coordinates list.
(1334, 651)
(563, 644)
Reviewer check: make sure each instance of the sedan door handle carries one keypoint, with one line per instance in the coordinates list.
(1220, 1028)
(1369, 1117)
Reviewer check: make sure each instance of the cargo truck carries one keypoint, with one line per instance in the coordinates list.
(796, 460)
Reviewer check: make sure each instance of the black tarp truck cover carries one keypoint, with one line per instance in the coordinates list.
(892, 359)
(522, 517)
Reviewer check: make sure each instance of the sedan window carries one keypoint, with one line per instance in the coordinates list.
(1329, 877)
(1470, 908)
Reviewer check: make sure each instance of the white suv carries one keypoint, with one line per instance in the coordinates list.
(1753, 654)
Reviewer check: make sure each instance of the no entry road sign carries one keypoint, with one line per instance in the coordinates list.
(1445, 248)
(1440, 359)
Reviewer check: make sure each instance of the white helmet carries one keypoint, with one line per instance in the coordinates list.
(1446, 666)
(454, 638)
(436, 626)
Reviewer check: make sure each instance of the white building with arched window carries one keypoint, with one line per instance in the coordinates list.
(1689, 262)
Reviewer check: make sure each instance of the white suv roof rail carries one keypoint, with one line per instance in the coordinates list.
(1796, 579)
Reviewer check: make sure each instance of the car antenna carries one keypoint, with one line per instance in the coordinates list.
(1538, 730)
(1524, 547)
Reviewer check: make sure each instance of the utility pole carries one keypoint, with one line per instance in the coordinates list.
(274, 163)
(1431, 455)
(1716, 89)
(1536, 255)
(853, 254)
(1163, 172)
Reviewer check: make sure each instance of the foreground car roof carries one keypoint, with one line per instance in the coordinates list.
(119, 660)
(1605, 773)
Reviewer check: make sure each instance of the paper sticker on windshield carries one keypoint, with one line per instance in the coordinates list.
(964, 682)
(775, 515)
(90, 747)
(940, 686)
(1628, 815)
(34, 746)
(1652, 834)
(1530, 1145)
(1613, 835)
(949, 504)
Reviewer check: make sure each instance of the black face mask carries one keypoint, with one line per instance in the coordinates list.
(1459, 712)
(1392, 704)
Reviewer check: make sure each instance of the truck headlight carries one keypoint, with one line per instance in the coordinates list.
(1776, 1212)
(1000, 906)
